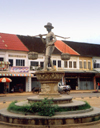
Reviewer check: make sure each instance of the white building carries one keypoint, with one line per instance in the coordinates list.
(14, 51)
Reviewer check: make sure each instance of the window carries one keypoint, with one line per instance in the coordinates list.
(1, 59)
(89, 65)
(70, 64)
(84, 64)
(59, 63)
(20, 62)
(96, 65)
(34, 63)
(80, 64)
(54, 62)
(65, 64)
(11, 62)
(74, 64)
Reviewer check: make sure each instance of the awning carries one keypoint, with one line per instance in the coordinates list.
(78, 71)
(81, 71)
(3, 62)
(15, 74)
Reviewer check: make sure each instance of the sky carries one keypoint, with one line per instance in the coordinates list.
(77, 19)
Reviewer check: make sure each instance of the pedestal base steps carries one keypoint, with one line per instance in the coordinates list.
(58, 119)
(57, 100)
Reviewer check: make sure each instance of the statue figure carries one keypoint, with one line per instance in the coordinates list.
(50, 40)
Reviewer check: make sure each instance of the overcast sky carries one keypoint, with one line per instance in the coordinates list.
(77, 19)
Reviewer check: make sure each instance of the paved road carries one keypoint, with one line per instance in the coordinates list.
(13, 98)
(19, 97)
(90, 94)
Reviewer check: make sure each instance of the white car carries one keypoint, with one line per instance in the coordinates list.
(64, 88)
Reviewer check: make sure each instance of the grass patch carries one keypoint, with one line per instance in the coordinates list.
(13, 107)
(83, 107)
(44, 108)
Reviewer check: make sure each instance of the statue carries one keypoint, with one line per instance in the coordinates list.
(50, 40)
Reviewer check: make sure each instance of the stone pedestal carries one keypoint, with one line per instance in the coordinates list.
(49, 82)
(49, 87)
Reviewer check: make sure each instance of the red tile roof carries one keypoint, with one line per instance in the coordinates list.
(64, 48)
(11, 42)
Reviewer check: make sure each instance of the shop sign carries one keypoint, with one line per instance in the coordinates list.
(19, 69)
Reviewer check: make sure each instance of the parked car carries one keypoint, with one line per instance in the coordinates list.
(64, 88)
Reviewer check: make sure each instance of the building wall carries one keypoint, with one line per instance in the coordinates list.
(28, 84)
(96, 67)
(75, 80)
(17, 55)
(96, 63)
(87, 61)
(73, 63)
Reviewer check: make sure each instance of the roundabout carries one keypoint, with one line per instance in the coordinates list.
(60, 118)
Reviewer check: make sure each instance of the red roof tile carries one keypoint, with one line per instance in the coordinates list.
(64, 48)
(11, 42)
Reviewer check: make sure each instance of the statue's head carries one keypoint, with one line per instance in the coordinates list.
(49, 25)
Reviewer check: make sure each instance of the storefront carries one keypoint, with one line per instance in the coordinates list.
(80, 81)
(86, 83)
(72, 82)
(98, 81)
(71, 79)
(18, 84)
(19, 81)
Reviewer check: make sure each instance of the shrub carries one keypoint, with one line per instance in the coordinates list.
(45, 107)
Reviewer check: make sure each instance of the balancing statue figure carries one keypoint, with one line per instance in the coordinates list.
(50, 40)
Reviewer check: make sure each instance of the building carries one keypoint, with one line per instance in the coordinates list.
(14, 63)
(82, 71)
(79, 71)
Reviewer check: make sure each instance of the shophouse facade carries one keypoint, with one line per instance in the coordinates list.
(96, 65)
(82, 70)
(79, 71)
(86, 75)
(14, 63)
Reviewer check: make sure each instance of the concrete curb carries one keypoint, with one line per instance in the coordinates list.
(50, 126)
(30, 93)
